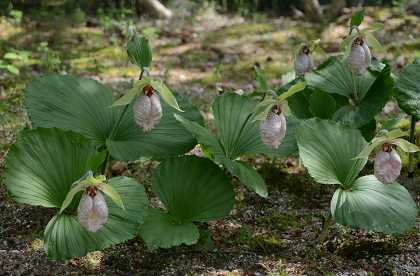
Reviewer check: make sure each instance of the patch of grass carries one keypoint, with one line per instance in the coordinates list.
(267, 244)
(280, 221)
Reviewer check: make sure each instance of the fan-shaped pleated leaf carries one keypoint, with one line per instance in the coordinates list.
(327, 150)
(64, 237)
(161, 230)
(193, 189)
(337, 78)
(84, 106)
(408, 86)
(44, 163)
(239, 134)
(365, 110)
(375, 206)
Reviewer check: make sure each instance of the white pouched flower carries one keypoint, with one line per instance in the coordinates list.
(147, 109)
(360, 57)
(303, 61)
(92, 211)
(387, 165)
(273, 128)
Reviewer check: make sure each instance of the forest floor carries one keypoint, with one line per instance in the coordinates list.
(197, 56)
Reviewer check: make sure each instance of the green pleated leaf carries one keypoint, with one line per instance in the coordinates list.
(374, 206)
(139, 51)
(193, 189)
(247, 175)
(328, 149)
(322, 105)
(84, 106)
(337, 78)
(408, 87)
(299, 104)
(363, 111)
(161, 230)
(44, 163)
(64, 237)
(239, 134)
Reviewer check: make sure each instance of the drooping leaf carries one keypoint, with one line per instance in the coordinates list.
(161, 230)
(408, 87)
(83, 106)
(374, 43)
(292, 90)
(337, 78)
(405, 145)
(44, 163)
(372, 205)
(64, 237)
(327, 150)
(247, 175)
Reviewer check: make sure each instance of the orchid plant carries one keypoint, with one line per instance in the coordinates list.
(325, 115)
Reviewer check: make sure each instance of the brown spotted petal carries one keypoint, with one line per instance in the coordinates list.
(147, 111)
(273, 129)
(387, 166)
(92, 211)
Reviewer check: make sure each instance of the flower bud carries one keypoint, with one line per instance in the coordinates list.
(303, 62)
(387, 165)
(360, 57)
(92, 211)
(147, 109)
(273, 128)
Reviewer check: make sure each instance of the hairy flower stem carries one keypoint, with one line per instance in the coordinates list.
(325, 228)
(412, 140)
(105, 166)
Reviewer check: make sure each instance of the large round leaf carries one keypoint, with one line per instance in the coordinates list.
(372, 205)
(239, 133)
(43, 164)
(327, 150)
(64, 237)
(192, 189)
(84, 106)
(408, 86)
(336, 78)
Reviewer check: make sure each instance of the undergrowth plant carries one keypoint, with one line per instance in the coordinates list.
(325, 115)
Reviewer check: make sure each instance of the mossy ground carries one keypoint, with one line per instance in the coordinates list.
(277, 235)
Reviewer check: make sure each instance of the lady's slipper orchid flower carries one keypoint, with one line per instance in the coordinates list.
(303, 62)
(388, 164)
(273, 128)
(92, 211)
(360, 57)
(147, 109)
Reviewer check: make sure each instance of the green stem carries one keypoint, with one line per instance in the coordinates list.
(106, 163)
(117, 125)
(412, 140)
(327, 224)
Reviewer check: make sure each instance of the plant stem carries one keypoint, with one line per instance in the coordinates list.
(117, 125)
(106, 163)
(327, 224)
(411, 154)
